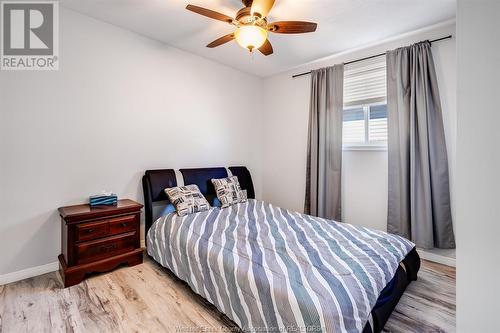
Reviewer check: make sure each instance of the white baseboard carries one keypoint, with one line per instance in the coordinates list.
(28, 273)
(448, 261)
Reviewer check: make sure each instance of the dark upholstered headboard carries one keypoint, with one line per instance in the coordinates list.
(154, 182)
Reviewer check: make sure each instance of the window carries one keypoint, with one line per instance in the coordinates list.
(365, 107)
(365, 126)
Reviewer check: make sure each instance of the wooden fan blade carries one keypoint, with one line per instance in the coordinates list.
(220, 41)
(292, 27)
(210, 13)
(266, 48)
(261, 7)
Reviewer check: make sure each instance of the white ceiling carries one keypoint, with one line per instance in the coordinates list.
(342, 25)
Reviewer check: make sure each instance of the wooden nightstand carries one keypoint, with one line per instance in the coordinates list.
(98, 239)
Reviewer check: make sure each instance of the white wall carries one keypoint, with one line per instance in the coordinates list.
(364, 187)
(478, 161)
(65, 135)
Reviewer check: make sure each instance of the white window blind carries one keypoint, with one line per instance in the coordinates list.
(365, 109)
(365, 82)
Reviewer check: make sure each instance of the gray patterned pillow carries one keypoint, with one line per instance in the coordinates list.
(229, 191)
(187, 199)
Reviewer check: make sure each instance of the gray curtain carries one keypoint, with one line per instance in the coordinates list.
(419, 195)
(324, 153)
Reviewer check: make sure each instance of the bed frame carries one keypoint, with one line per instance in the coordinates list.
(154, 183)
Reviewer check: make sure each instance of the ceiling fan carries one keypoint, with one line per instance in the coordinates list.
(252, 27)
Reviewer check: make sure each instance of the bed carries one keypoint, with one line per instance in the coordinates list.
(269, 269)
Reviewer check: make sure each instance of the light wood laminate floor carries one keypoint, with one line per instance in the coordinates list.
(147, 298)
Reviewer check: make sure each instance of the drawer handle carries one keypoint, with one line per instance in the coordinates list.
(124, 224)
(109, 247)
(90, 231)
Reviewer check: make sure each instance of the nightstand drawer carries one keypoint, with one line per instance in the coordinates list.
(122, 224)
(107, 247)
(92, 230)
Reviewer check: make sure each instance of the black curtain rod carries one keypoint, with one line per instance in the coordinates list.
(370, 57)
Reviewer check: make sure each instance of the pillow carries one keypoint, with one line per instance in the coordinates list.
(229, 191)
(167, 210)
(187, 199)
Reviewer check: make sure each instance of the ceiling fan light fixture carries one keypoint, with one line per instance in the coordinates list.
(252, 26)
(250, 36)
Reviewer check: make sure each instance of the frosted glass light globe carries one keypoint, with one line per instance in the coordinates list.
(250, 36)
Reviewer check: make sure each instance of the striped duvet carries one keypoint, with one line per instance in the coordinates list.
(271, 270)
